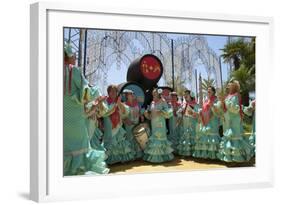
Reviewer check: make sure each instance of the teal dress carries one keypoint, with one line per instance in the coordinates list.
(188, 130)
(208, 139)
(233, 147)
(130, 122)
(79, 157)
(159, 148)
(252, 139)
(118, 148)
(174, 128)
(95, 134)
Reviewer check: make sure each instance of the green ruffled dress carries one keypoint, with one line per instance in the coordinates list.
(132, 120)
(188, 132)
(174, 127)
(159, 148)
(208, 139)
(233, 147)
(79, 157)
(116, 144)
(95, 134)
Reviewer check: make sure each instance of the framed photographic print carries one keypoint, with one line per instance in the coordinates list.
(134, 102)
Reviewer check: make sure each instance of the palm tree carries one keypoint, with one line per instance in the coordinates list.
(250, 55)
(242, 53)
(235, 51)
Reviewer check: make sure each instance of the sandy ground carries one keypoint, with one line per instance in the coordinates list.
(178, 164)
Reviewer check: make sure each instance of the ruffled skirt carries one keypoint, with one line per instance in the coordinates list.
(206, 144)
(136, 150)
(96, 139)
(119, 148)
(234, 149)
(174, 133)
(92, 162)
(158, 150)
(186, 143)
(252, 142)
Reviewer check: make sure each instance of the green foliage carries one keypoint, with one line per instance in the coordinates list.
(242, 54)
(235, 52)
(245, 77)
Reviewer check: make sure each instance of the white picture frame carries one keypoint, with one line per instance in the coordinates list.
(46, 177)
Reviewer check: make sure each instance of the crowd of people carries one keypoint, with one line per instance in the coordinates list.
(99, 130)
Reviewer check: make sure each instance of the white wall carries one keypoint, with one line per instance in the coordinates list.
(14, 103)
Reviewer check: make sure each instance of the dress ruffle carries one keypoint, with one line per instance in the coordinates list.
(173, 138)
(234, 149)
(252, 142)
(92, 161)
(158, 150)
(186, 143)
(136, 150)
(119, 149)
(174, 134)
(206, 144)
(96, 140)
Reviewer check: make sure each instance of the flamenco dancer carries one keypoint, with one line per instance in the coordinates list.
(233, 147)
(117, 146)
(79, 157)
(188, 113)
(131, 121)
(174, 126)
(208, 138)
(95, 110)
(158, 148)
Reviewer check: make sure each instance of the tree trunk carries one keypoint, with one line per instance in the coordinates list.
(236, 62)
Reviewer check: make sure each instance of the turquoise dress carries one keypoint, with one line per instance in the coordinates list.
(130, 122)
(116, 144)
(208, 139)
(188, 130)
(252, 139)
(233, 147)
(95, 134)
(79, 157)
(174, 128)
(159, 148)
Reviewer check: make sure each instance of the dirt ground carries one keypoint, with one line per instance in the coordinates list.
(178, 164)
